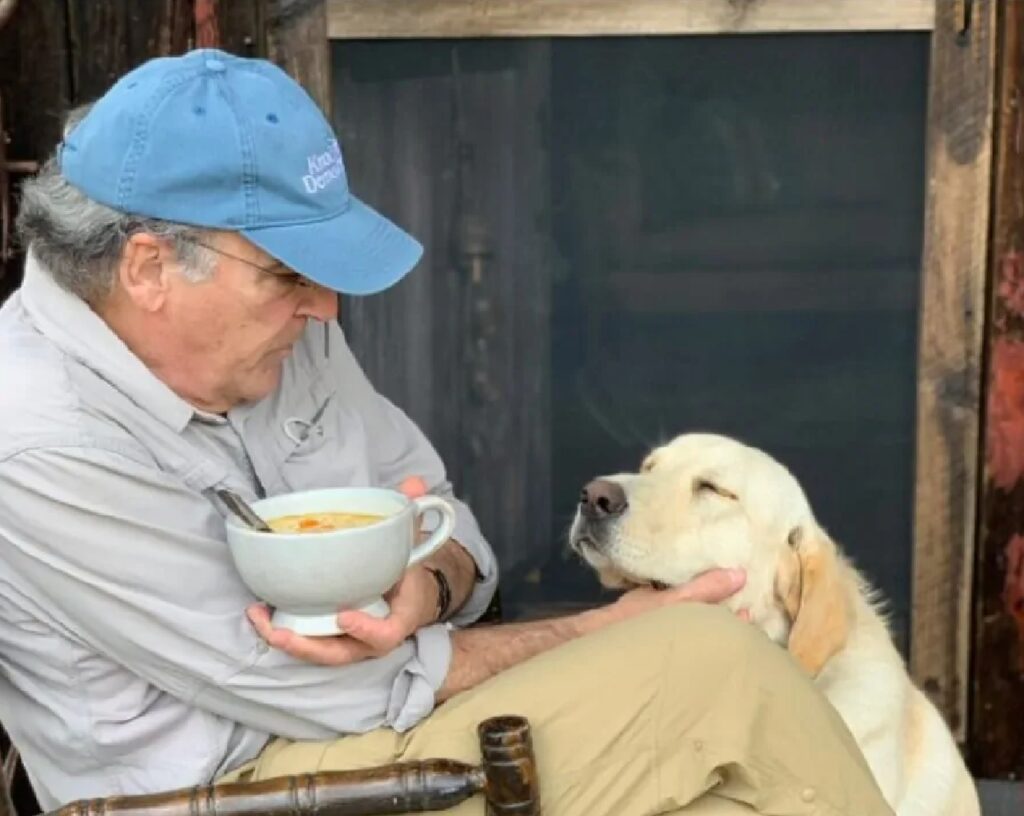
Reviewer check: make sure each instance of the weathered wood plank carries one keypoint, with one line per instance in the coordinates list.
(462, 344)
(297, 41)
(110, 37)
(959, 136)
(997, 690)
(235, 26)
(35, 86)
(290, 33)
(507, 273)
(395, 134)
(359, 19)
(687, 290)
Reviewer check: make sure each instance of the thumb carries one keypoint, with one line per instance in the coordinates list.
(413, 487)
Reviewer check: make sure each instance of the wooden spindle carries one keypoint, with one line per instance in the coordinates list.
(509, 766)
(507, 778)
(406, 787)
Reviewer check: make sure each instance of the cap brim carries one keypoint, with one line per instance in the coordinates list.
(358, 252)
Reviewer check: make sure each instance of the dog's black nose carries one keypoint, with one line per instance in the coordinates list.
(602, 499)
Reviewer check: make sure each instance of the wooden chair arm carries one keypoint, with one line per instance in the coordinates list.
(507, 777)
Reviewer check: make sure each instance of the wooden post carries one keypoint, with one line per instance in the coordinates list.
(509, 767)
(419, 19)
(997, 744)
(958, 143)
(297, 41)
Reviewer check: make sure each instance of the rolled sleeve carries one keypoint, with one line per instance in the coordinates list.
(136, 568)
(415, 688)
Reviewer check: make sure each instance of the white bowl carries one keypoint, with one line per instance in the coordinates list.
(309, 577)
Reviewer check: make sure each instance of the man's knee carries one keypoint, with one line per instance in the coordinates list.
(701, 630)
(707, 644)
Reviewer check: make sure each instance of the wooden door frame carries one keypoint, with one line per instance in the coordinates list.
(953, 279)
(997, 675)
(959, 178)
(430, 19)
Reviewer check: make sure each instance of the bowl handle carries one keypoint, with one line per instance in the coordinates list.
(424, 504)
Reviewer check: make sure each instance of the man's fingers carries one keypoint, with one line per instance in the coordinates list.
(413, 487)
(380, 635)
(712, 587)
(259, 617)
(327, 651)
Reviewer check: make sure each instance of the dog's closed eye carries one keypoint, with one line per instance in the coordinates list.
(704, 485)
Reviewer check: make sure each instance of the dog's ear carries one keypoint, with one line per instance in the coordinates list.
(809, 585)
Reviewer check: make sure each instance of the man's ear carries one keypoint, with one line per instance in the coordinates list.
(144, 271)
(809, 585)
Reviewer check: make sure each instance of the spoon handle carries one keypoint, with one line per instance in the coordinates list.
(237, 505)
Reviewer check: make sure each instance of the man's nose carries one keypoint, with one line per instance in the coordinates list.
(320, 303)
(602, 499)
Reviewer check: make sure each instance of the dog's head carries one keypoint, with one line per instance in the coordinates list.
(705, 501)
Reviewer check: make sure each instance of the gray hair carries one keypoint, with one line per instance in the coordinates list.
(80, 241)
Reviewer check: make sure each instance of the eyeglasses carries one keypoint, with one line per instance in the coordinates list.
(288, 276)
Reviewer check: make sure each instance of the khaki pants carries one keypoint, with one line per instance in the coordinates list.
(683, 710)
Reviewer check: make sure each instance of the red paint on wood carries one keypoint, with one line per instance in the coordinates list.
(1013, 588)
(207, 31)
(1010, 290)
(1005, 432)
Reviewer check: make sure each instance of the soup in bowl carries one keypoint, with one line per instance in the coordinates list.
(333, 549)
(321, 522)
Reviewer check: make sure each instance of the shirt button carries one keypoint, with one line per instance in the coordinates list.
(807, 795)
(698, 745)
(215, 65)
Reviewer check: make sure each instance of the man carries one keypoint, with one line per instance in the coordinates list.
(176, 332)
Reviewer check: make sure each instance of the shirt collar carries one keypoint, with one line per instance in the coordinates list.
(67, 321)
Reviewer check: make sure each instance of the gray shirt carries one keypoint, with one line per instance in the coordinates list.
(126, 661)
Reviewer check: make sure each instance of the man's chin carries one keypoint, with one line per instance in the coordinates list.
(263, 382)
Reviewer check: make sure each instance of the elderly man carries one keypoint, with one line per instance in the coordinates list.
(176, 332)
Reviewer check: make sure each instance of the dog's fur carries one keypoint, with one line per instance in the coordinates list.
(706, 501)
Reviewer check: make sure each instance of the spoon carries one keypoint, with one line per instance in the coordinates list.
(237, 505)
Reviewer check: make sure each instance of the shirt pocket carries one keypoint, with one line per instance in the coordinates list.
(323, 444)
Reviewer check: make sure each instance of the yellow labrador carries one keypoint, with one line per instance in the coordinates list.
(705, 501)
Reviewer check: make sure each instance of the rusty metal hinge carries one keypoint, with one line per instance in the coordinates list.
(964, 19)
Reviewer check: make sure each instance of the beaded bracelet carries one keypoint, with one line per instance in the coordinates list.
(444, 592)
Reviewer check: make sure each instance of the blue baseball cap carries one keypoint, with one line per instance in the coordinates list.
(223, 142)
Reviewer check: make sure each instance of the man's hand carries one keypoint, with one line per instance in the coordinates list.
(710, 587)
(483, 652)
(413, 602)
